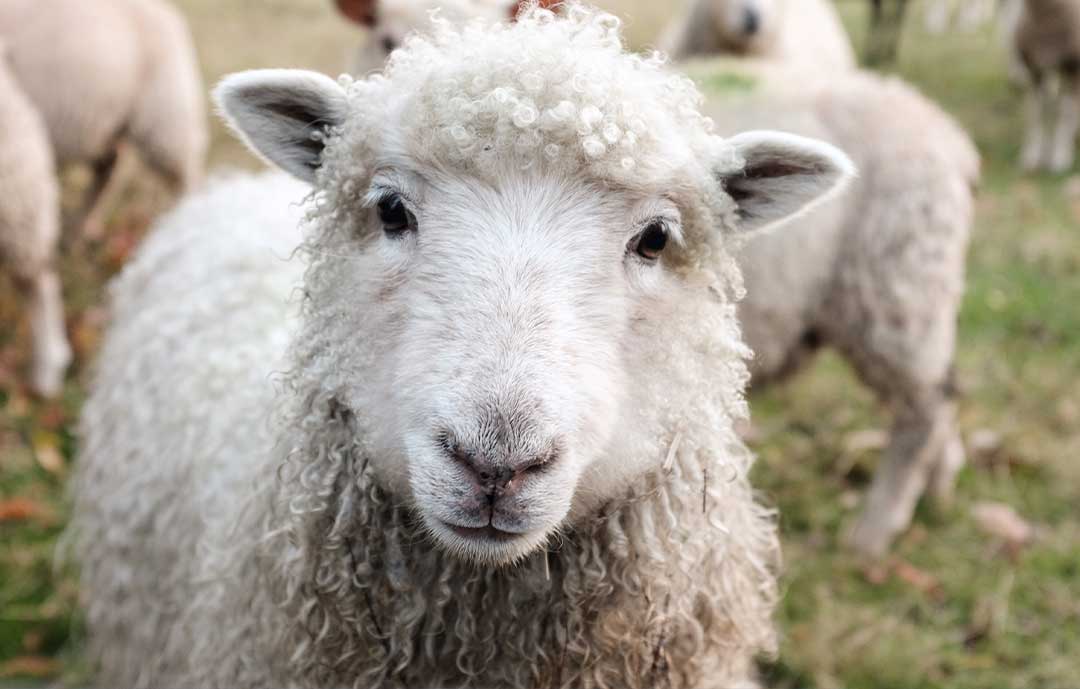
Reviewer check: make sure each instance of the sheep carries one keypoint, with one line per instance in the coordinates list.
(877, 274)
(30, 228)
(106, 73)
(493, 444)
(805, 32)
(940, 15)
(1046, 42)
(390, 21)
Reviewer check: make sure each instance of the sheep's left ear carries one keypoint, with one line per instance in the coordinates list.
(783, 176)
(283, 115)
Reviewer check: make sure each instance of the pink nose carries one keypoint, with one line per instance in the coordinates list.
(494, 475)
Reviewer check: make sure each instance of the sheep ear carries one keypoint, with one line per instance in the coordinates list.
(360, 11)
(783, 176)
(283, 115)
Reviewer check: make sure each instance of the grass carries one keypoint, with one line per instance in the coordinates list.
(951, 609)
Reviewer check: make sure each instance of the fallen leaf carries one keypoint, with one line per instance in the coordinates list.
(920, 579)
(19, 510)
(1002, 521)
(30, 666)
(48, 454)
(866, 440)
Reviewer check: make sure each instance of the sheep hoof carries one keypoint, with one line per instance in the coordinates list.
(870, 536)
(47, 376)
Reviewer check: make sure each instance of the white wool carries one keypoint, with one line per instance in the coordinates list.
(30, 228)
(803, 33)
(281, 538)
(876, 273)
(98, 72)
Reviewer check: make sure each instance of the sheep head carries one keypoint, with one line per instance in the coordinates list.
(511, 227)
(743, 25)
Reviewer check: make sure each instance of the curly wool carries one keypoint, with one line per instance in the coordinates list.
(272, 556)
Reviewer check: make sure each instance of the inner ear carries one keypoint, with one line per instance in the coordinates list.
(284, 115)
(361, 12)
(782, 176)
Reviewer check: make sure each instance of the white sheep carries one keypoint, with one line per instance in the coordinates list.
(805, 32)
(493, 445)
(967, 15)
(1046, 43)
(109, 72)
(391, 21)
(30, 228)
(878, 273)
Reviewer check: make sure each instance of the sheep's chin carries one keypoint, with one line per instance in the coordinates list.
(482, 547)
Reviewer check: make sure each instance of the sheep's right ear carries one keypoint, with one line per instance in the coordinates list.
(283, 115)
(360, 11)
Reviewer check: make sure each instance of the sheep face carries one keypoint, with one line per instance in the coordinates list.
(745, 24)
(489, 312)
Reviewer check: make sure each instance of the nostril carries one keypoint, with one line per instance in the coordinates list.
(388, 44)
(751, 21)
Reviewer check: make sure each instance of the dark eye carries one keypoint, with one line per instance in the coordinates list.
(651, 242)
(394, 216)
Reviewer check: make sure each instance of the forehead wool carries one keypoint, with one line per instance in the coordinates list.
(554, 90)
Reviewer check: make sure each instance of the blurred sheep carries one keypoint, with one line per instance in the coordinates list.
(1046, 43)
(878, 273)
(107, 72)
(390, 21)
(805, 32)
(30, 228)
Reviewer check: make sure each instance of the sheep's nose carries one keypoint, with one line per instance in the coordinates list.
(388, 44)
(751, 21)
(494, 475)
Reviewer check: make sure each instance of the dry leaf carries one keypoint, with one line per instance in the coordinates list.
(920, 579)
(1001, 520)
(30, 666)
(48, 454)
(19, 510)
(866, 440)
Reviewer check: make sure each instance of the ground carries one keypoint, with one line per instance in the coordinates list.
(958, 605)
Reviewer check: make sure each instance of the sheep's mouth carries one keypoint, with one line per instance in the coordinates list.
(484, 533)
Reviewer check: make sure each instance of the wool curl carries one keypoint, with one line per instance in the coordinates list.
(290, 564)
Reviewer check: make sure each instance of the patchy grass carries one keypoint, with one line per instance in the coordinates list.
(951, 609)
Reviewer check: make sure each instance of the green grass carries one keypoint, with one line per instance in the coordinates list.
(950, 610)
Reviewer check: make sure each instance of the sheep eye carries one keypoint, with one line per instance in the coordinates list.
(394, 216)
(651, 242)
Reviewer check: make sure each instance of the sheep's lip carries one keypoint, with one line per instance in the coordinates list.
(483, 533)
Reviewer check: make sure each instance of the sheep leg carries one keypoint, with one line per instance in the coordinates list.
(915, 447)
(1063, 143)
(1036, 104)
(52, 354)
(951, 460)
(106, 183)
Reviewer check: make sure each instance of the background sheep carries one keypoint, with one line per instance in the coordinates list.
(30, 228)
(501, 358)
(1046, 40)
(108, 72)
(877, 273)
(390, 21)
(805, 32)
